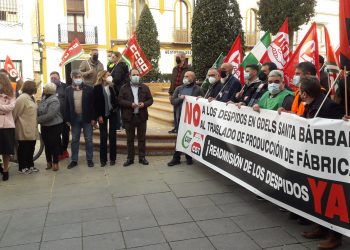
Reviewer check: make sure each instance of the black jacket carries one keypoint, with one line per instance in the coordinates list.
(252, 93)
(120, 74)
(230, 88)
(61, 94)
(126, 98)
(87, 104)
(330, 109)
(214, 89)
(99, 100)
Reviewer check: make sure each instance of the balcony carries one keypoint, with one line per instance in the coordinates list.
(251, 38)
(182, 36)
(86, 34)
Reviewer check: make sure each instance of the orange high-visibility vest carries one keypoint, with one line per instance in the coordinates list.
(297, 106)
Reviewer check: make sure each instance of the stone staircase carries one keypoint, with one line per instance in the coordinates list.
(158, 140)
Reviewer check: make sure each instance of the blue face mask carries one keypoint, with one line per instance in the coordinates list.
(135, 79)
(246, 76)
(78, 82)
(274, 88)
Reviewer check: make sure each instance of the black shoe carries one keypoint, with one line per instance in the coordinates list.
(259, 198)
(1, 169)
(143, 161)
(173, 162)
(103, 164)
(91, 164)
(5, 176)
(128, 162)
(173, 131)
(112, 163)
(72, 164)
(189, 162)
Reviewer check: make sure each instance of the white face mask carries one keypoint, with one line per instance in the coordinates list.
(246, 76)
(78, 82)
(135, 79)
(109, 79)
(273, 88)
(212, 80)
(186, 81)
(296, 80)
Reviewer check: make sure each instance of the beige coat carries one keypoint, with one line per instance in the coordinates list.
(25, 116)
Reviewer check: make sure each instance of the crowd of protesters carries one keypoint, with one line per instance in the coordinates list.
(116, 97)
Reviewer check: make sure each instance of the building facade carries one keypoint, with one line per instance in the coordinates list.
(35, 33)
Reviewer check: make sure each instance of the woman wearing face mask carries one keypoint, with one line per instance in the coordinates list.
(50, 118)
(105, 103)
(276, 96)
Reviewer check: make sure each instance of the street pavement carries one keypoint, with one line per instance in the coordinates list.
(139, 207)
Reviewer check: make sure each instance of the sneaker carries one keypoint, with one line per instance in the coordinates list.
(72, 164)
(24, 171)
(90, 164)
(34, 170)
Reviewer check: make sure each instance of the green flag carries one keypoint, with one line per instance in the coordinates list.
(259, 50)
(216, 65)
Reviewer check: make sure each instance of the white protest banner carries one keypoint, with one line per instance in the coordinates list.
(299, 164)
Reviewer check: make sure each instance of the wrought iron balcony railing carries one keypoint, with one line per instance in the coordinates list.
(86, 34)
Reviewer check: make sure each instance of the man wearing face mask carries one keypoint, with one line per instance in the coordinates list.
(90, 68)
(311, 94)
(79, 114)
(61, 94)
(189, 88)
(230, 84)
(176, 78)
(215, 84)
(134, 99)
(253, 89)
(276, 96)
(302, 70)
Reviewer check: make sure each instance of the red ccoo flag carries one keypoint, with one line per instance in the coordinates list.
(278, 51)
(307, 51)
(73, 52)
(135, 58)
(344, 24)
(235, 57)
(10, 68)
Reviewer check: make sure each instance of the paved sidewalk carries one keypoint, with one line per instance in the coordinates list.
(154, 207)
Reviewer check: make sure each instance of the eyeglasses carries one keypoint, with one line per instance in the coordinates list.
(276, 81)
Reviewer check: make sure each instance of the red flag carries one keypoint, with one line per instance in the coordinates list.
(278, 51)
(307, 51)
(135, 58)
(235, 57)
(344, 24)
(73, 52)
(10, 68)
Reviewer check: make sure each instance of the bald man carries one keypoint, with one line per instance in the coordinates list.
(188, 88)
(231, 85)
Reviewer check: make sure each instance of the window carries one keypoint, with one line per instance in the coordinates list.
(75, 20)
(320, 33)
(251, 28)
(136, 9)
(181, 22)
(10, 12)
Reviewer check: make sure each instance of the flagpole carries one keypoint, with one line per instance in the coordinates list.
(323, 66)
(346, 91)
(329, 91)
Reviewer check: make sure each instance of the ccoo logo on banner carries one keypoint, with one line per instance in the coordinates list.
(301, 165)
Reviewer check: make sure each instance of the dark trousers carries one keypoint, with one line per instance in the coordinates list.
(51, 137)
(64, 138)
(118, 118)
(176, 126)
(109, 123)
(177, 156)
(130, 128)
(25, 154)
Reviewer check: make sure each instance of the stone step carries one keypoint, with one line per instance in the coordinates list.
(162, 107)
(166, 119)
(159, 94)
(165, 89)
(151, 136)
(161, 100)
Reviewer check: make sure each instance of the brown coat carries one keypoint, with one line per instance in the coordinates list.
(25, 117)
(86, 66)
(126, 98)
(173, 85)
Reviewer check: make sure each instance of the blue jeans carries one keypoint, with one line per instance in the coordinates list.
(77, 125)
